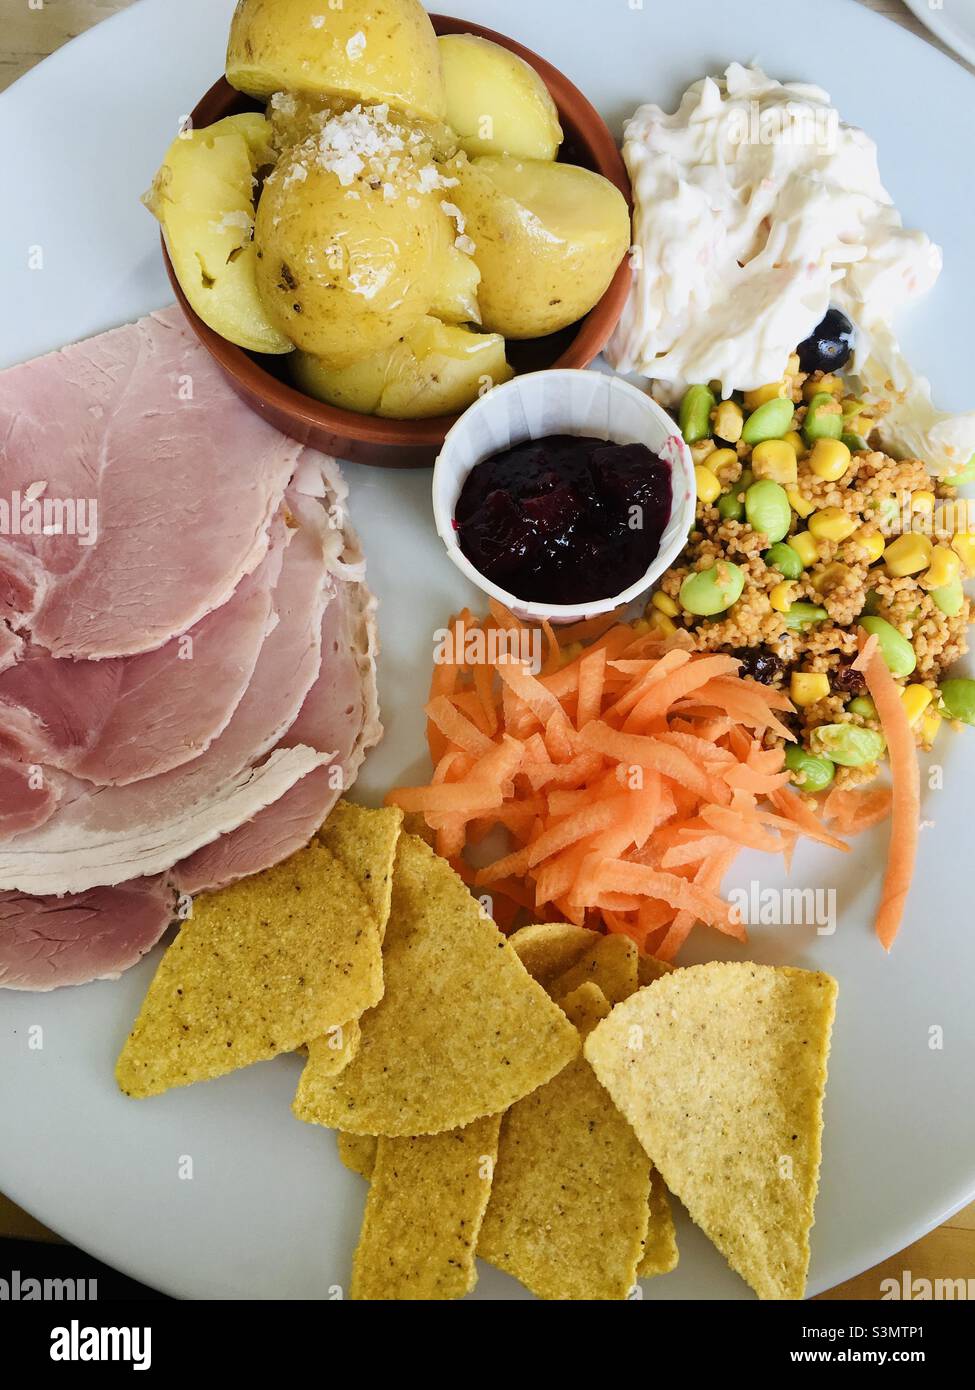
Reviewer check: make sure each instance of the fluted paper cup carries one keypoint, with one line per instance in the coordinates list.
(563, 402)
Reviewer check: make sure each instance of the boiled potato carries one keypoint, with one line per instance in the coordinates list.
(203, 196)
(436, 370)
(548, 239)
(345, 269)
(496, 102)
(294, 117)
(369, 50)
(457, 276)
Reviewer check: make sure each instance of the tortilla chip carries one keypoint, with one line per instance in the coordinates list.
(423, 1214)
(258, 969)
(586, 1006)
(649, 968)
(611, 964)
(334, 1051)
(364, 843)
(358, 1152)
(570, 1203)
(547, 949)
(462, 1030)
(721, 1071)
(660, 1252)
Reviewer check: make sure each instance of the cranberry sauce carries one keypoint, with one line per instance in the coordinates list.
(565, 519)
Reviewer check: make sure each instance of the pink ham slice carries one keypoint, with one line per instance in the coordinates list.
(123, 719)
(340, 713)
(186, 482)
(112, 834)
(49, 942)
(28, 797)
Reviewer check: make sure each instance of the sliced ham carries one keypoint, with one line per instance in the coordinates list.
(49, 942)
(341, 713)
(111, 834)
(141, 423)
(125, 718)
(28, 797)
(11, 646)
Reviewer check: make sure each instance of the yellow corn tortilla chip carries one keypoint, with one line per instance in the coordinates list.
(611, 964)
(660, 1252)
(364, 843)
(462, 1031)
(258, 969)
(570, 1202)
(358, 1152)
(424, 1210)
(335, 1050)
(586, 1006)
(721, 1070)
(649, 968)
(547, 949)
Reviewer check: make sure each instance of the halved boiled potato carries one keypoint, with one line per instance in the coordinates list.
(345, 269)
(548, 239)
(457, 276)
(369, 50)
(436, 370)
(203, 196)
(496, 102)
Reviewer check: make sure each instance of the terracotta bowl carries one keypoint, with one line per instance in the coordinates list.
(259, 379)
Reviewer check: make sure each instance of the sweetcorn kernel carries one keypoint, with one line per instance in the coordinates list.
(659, 622)
(964, 548)
(806, 687)
(804, 544)
(832, 524)
(829, 383)
(665, 604)
(708, 487)
(761, 394)
(930, 725)
(728, 419)
(909, 554)
(945, 568)
(830, 459)
(776, 460)
(799, 504)
(872, 542)
(724, 464)
(796, 440)
(780, 597)
(915, 699)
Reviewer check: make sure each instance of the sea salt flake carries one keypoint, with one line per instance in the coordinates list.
(356, 46)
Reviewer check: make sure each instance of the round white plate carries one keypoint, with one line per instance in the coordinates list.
(216, 1191)
(953, 21)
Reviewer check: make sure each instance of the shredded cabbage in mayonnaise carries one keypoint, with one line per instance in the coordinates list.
(755, 209)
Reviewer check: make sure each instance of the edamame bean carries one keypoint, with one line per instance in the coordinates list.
(694, 416)
(730, 506)
(847, 744)
(799, 615)
(784, 559)
(949, 597)
(863, 706)
(711, 591)
(854, 442)
(769, 421)
(821, 423)
(958, 698)
(894, 646)
(767, 508)
(812, 774)
(966, 475)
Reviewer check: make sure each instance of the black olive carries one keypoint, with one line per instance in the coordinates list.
(830, 346)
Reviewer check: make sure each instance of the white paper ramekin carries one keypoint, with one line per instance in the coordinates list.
(563, 402)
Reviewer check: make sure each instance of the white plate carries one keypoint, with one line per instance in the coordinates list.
(953, 21)
(269, 1212)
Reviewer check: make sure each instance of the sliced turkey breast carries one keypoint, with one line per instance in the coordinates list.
(163, 485)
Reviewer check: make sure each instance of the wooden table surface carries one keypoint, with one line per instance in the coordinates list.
(26, 36)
